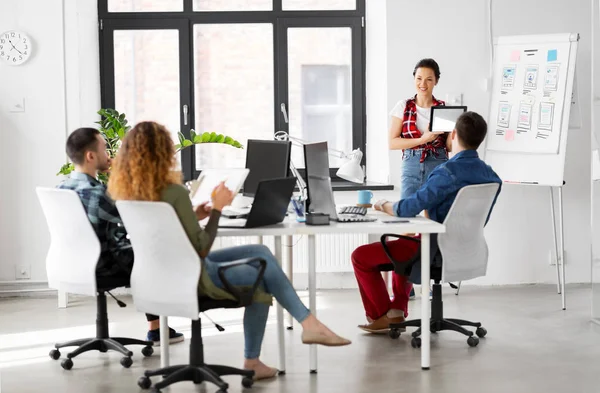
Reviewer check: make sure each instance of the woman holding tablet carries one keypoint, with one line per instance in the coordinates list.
(422, 150)
(409, 132)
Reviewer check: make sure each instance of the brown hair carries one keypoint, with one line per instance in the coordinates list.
(80, 142)
(144, 165)
(471, 129)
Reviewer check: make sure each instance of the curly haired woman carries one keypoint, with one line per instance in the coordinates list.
(144, 170)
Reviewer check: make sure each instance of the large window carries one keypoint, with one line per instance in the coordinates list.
(243, 68)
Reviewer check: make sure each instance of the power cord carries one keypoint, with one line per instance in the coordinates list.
(120, 303)
(219, 327)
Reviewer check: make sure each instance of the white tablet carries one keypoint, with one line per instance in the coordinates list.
(209, 179)
(443, 118)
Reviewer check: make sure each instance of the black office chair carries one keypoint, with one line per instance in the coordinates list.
(465, 256)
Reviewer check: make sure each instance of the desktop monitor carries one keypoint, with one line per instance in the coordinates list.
(266, 160)
(318, 182)
(316, 159)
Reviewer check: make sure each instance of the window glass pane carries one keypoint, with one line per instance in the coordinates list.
(233, 5)
(144, 5)
(306, 5)
(320, 88)
(147, 76)
(234, 88)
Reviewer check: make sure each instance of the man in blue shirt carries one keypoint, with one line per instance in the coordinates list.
(436, 197)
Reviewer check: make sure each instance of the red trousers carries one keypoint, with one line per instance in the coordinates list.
(375, 297)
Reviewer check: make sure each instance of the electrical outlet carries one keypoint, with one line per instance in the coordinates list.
(454, 99)
(22, 272)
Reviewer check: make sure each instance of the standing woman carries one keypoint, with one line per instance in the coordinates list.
(422, 150)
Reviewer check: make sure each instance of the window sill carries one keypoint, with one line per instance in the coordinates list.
(342, 185)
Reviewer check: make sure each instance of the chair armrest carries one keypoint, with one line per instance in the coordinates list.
(401, 267)
(243, 296)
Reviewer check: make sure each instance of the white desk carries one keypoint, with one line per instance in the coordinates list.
(290, 227)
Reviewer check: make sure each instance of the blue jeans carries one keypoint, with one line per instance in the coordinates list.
(414, 172)
(274, 282)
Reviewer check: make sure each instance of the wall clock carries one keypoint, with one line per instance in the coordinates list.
(15, 47)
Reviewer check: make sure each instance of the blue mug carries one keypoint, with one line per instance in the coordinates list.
(364, 197)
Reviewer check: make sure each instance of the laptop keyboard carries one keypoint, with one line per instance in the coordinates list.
(355, 218)
(354, 210)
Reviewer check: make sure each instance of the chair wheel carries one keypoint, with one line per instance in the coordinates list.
(394, 333)
(126, 362)
(147, 351)
(247, 382)
(472, 341)
(416, 342)
(144, 382)
(481, 332)
(67, 364)
(55, 354)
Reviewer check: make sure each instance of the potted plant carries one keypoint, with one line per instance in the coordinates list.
(113, 128)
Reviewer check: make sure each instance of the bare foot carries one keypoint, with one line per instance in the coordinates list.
(261, 370)
(313, 325)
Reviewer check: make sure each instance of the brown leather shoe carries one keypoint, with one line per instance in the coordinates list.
(381, 325)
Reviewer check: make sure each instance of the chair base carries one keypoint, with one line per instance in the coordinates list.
(102, 345)
(196, 374)
(197, 371)
(437, 323)
(102, 342)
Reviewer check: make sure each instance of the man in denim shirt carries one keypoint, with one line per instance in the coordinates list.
(436, 196)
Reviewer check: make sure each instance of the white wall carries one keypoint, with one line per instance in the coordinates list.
(32, 147)
(377, 87)
(456, 34)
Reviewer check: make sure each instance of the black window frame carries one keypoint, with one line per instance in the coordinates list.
(281, 21)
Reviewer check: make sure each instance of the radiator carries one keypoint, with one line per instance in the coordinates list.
(333, 251)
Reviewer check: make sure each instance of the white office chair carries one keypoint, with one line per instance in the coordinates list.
(71, 267)
(164, 281)
(459, 254)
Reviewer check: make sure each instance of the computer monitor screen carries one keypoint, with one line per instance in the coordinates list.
(320, 196)
(318, 182)
(316, 159)
(266, 160)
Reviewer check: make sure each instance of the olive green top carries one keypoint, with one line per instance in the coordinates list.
(202, 239)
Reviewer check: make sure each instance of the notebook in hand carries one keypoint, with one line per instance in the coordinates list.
(209, 179)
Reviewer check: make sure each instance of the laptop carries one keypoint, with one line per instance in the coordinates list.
(270, 205)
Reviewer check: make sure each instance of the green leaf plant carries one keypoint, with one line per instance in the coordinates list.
(113, 127)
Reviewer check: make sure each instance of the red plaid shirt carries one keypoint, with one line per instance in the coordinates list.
(410, 130)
